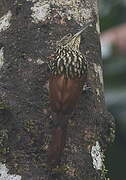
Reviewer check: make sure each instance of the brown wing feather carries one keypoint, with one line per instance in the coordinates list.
(63, 93)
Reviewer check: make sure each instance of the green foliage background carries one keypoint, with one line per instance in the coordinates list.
(112, 14)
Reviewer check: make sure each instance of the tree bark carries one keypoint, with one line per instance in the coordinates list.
(29, 30)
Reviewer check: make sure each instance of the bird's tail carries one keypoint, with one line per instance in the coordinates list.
(57, 144)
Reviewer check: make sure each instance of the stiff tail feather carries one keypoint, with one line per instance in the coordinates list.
(57, 144)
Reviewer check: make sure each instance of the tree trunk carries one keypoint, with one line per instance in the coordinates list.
(29, 30)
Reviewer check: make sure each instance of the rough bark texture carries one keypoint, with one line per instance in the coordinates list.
(26, 120)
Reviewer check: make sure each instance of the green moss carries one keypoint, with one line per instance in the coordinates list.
(29, 125)
(3, 135)
(59, 169)
(112, 134)
(104, 171)
(4, 149)
(3, 106)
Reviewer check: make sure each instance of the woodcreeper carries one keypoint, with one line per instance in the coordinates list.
(68, 72)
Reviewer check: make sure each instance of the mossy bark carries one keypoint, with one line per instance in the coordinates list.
(26, 120)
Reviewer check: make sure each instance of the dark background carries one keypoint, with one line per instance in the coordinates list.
(112, 14)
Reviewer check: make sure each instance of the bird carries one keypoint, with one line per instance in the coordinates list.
(68, 71)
